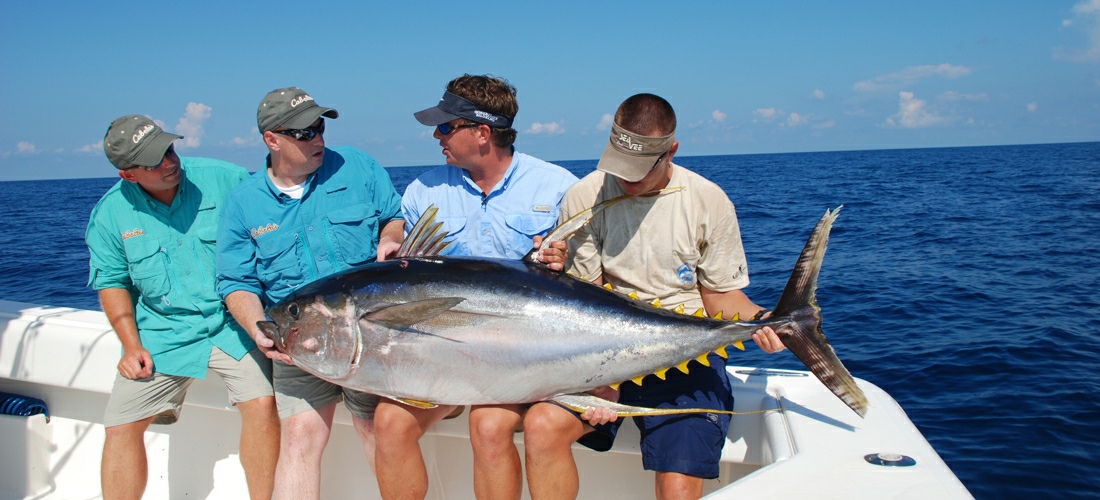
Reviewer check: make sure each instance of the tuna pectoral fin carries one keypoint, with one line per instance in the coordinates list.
(802, 332)
(582, 402)
(401, 316)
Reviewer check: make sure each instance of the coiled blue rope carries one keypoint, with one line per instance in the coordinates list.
(22, 406)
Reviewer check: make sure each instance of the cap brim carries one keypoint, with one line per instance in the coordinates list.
(630, 168)
(433, 116)
(154, 151)
(310, 115)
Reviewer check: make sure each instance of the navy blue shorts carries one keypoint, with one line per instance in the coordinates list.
(687, 444)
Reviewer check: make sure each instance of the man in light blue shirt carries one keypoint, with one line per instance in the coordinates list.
(313, 211)
(493, 202)
(152, 240)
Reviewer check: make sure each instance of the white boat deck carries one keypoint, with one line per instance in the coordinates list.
(813, 448)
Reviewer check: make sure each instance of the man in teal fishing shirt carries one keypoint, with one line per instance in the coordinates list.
(152, 244)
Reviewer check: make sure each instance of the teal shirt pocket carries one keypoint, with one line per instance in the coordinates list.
(149, 268)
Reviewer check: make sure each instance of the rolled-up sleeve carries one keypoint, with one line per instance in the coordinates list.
(107, 262)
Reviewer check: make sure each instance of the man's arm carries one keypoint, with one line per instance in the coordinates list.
(136, 362)
(736, 302)
(247, 309)
(389, 239)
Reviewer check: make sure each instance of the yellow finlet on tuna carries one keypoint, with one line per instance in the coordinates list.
(679, 309)
(703, 359)
(607, 286)
(633, 295)
(721, 351)
(740, 345)
(683, 366)
(656, 302)
(661, 373)
(698, 313)
(736, 317)
(615, 386)
(638, 379)
(718, 316)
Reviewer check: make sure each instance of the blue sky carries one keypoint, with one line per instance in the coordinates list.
(744, 77)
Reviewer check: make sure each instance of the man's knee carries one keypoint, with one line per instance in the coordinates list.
(547, 426)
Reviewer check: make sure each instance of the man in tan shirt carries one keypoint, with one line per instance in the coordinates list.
(683, 248)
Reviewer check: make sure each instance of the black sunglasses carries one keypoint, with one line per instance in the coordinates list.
(447, 128)
(168, 152)
(304, 134)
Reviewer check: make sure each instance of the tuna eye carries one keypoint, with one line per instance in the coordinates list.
(293, 309)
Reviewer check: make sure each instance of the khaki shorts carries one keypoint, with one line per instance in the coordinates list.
(161, 396)
(297, 391)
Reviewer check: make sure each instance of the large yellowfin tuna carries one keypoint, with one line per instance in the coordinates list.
(434, 330)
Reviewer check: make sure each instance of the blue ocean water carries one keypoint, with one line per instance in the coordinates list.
(963, 281)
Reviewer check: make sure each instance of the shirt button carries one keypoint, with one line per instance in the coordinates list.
(320, 258)
(310, 228)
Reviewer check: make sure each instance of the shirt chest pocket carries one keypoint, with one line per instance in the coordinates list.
(353, 234)
(150, 267)
(278, 265)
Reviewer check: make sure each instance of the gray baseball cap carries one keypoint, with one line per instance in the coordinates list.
(292, 108)
(631, 156)
(136, 140)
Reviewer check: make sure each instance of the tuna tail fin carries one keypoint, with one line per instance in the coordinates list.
(802, 333)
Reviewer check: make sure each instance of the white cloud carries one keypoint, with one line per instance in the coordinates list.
(951, 95)
(795, 119)
(252, 139)
(1086, 17)
(911, 75)
(605, 122)
(718, 116)
(1032, 106)
(95, 147)
(912, 113)
(25, 147)
(819, 94)
(190, 126)
(552, 128)
(766, 113)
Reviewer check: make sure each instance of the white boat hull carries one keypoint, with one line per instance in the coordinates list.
(814, 448)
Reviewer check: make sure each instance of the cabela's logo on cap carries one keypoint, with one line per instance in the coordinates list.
(300, 99)
(141, 133)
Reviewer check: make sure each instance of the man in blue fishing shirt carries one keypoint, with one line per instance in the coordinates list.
(493, 202)
(152, 244)
(311, 212)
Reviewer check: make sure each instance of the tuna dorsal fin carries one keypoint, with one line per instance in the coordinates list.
(401, 316)
(425, 239)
